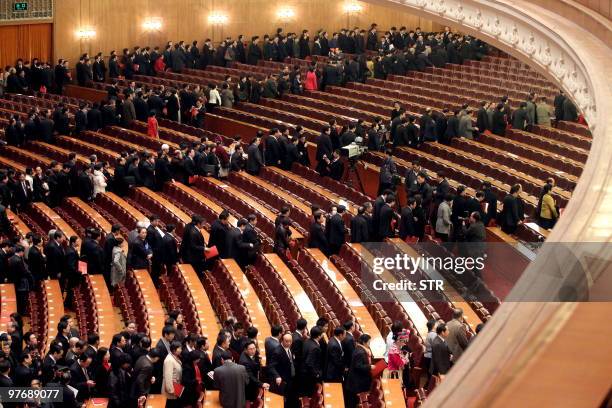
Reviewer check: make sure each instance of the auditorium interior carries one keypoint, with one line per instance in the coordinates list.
(249, 203)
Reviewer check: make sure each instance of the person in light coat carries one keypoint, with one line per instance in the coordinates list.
(465, 125)
(99, 181)
(443, 222)
(543, 112)
(118, 263)
(227, 96)
(173, 373)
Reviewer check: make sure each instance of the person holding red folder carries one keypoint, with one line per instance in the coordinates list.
(173, 373)
(360, 372)
(193, 245)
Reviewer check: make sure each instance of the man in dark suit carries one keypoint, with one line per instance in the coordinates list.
(482, 118)
(219, 231)
(335, 168)
(491, 203)
(63, 337)
(155, 238)
(558, 104)
(520, 117)
(359, 374)
(324, 150)
(80, 119)
(440, 352)
(317, 236)
(360, 230)
(50, 362)
(24, 372)
(254, 53)
(292, 153)
(146, 170)
(81, 378)
(273, 341)
(299, 335)
(192, 245)
(5, 254)
(510, 216)
(282, 370)
(19, 272)
(22, 192)
(311, 371)
(162, 169)
(117, 349)
(169, 248)
(93, 253)
(452, 127)
(272, 152)
(335, 361)
(387, 215)
(249, 236)
(5, 379)
(221, 346)
(251, 361)
(54, 251)
(254, 159)
(348, 343)
(336, 231)
(407, 227)
(143, 374)
(237, 248)
(36, 259)
(378, 205)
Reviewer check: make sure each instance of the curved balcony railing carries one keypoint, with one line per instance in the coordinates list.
(534, 349)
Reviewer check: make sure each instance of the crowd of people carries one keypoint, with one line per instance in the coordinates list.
(182, 365)
(131, 367)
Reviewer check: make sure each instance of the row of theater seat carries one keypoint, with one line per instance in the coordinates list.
(333, 185)
(236, 203)
(270, 197)
(177, 296)
(536, 169)
(494, 85)
(556, 147)
(573, 139)
(533, 153)
(327, 288)
(274, 303)
(317, 298)
(375, 308)
(507, 175)
(232, 293)
(274, 281)
(298, 189)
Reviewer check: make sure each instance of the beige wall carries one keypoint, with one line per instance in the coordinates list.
(118, 23)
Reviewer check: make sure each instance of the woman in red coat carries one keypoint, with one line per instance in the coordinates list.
(152, 126)
(160, 65)
(311, 80)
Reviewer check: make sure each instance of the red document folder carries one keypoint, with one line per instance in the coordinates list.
(379, 368)
(211, 252)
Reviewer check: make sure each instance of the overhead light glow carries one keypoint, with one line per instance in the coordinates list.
(152, 24)
(86, 33)
(286, 13)
(218, 18)
(352, 7)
